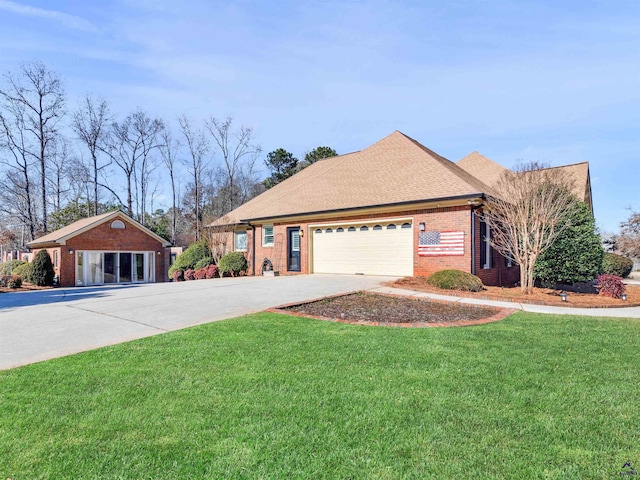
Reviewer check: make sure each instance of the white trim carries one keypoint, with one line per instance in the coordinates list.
(487, 246)
(273, 235)
(368, 221)
(246, 240)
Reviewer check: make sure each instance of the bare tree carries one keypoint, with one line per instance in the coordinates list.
(130, 144)
(58, 172)
(219, 239)
(169, 151)
(628, 241)
(531, 207)
(90, 123)
(198, 147)
(239, 154)
(36, 95)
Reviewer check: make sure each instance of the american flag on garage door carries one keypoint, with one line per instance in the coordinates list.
(440, 243)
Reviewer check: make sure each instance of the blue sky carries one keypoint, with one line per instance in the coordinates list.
(556, 82)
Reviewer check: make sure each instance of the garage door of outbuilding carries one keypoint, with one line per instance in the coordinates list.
(368, 248)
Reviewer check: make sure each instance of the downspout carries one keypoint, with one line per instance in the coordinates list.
(253, 249)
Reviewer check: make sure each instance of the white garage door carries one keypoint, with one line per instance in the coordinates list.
(366, 248)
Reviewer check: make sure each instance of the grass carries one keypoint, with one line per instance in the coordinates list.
(271, 396)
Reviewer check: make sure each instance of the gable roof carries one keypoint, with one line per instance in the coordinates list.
(60, 236)
(392, 171)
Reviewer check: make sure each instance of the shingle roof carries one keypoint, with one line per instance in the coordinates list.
(61, 235)
(481, 167)
(394, 170)
(489, 172)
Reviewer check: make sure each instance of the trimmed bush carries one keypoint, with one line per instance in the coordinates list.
(189, 274)
(15, 281)
(4, 279)
(575, 255)
(456, 280)
(178, 276)
(233, 263)
(201, 273)
(23, 270)
(610, 286)
(41, 271)
(7, 268)
(212, 271)
(613, 264)
(192, 255)
(205, 262)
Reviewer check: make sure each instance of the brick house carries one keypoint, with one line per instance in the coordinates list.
(395, 208)
(106, 249)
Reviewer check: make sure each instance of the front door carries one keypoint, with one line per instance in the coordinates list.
(125, 268)
(110, 267)
(293, 249)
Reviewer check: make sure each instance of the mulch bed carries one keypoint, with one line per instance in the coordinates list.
(540, 296)
(393, 310)
(26, 287)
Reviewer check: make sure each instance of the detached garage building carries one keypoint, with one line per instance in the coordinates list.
(105, 249)
(395, 208)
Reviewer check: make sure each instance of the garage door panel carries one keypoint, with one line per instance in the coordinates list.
(370, 252)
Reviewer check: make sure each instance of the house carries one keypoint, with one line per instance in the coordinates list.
(394, 208)
(105, 249)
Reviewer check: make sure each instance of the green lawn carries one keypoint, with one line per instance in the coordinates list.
(271, 396)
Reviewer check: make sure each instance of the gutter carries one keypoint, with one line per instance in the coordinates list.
(365, 207)
(253, 248)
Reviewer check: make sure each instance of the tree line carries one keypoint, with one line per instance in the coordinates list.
(59, 163)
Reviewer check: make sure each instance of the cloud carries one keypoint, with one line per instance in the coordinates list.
(69, 21)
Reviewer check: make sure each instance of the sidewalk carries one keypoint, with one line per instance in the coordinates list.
(625, 312)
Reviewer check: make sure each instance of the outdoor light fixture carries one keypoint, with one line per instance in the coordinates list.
(302, 233)
(422, 227)
(71, 251)
(624, 297)
(563, 296)
(158, 252)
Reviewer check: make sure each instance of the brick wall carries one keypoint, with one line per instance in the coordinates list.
(105, 238)
(437, 219)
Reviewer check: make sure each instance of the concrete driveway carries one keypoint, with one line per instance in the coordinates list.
(36, 326)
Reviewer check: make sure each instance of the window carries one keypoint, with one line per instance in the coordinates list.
(339, 230)
(406, 225)
(267, 235)
(55, 259)
(351, 229)
(117, 225)
(240, 241)
(364, 228)
(391, 226)
(377, 227)
(485, 246)
(318, 230)
(328, 230)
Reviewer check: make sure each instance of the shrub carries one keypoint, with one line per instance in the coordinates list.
(192, 255)
(610, 286)
(575, 255)
(4, 279)
(212, 271)
(7, 267)
(15, 281)
(455, 280)
(618, 265)
(204, 262)
(23, 270)
(42, 273)
(201, 273)
(234, 263)
(189, 274)
(178, 275)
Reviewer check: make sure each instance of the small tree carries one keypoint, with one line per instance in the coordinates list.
(576, 254)
(531, 207)
(188, 259)
(42, 273)
(219, 239)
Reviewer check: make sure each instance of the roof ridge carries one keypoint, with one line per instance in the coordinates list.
(453, 168)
